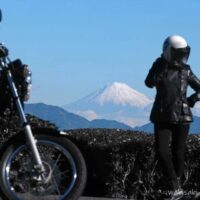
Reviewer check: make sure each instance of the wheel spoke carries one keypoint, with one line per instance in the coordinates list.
(56, 163)
(64, 173)
(56, 185)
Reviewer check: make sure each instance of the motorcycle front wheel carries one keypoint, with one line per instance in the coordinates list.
(64, 177)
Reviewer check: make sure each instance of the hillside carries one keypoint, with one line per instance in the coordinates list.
(67, 120)
(57, 115)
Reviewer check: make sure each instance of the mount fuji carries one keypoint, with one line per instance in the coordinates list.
(116, 101)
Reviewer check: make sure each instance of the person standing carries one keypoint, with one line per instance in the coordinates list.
(171, 75)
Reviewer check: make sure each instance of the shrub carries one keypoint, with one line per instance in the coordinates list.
(122, 164)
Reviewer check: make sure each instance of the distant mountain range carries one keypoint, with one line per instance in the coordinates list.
(117, 105)
(194, 127)
(66, 120)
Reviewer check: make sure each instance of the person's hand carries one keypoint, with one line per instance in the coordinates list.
(193, 99)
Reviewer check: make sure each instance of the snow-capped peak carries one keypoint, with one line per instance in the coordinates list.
(121, 94)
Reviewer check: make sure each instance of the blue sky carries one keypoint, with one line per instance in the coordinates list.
(77, 46)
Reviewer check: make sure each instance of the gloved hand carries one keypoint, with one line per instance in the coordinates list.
(3, 51)
(193, 99)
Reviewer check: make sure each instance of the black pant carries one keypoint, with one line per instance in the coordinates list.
(176, 135)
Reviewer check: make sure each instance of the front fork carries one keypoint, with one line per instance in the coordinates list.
(27, 128)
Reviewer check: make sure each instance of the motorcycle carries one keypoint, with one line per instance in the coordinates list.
(36, 163)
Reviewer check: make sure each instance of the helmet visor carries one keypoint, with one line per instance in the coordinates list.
(180, 55)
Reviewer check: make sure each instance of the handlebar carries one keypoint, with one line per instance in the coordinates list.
(3, 50)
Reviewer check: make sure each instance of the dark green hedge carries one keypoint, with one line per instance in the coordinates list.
(122, 164)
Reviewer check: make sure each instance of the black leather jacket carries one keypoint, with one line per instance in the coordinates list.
(171, 103)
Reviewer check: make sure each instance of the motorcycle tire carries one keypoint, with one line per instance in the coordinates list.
(64, 165)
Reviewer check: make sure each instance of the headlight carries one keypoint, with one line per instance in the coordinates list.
(27, 82)
(28, 79)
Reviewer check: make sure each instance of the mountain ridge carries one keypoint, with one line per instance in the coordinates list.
(149, 127)
(66, 120)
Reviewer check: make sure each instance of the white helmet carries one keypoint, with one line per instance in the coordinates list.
(176, 50)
